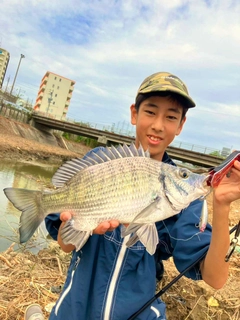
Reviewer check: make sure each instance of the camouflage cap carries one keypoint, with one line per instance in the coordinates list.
(164, 81)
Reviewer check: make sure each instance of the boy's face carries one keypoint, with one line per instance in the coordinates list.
(157, 121)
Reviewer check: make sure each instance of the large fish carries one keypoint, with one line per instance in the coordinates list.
(121, 183)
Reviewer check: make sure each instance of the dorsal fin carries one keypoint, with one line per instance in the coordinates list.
(94, 157)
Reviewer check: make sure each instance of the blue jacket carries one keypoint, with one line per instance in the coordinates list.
(106, 280)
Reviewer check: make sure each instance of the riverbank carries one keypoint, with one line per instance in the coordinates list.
(14, 147)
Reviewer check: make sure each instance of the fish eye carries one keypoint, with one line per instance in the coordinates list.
(183, 173)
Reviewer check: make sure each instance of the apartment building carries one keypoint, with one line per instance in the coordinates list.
(54, 96)
(4, 59)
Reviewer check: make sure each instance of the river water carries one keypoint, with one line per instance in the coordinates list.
(27, 176)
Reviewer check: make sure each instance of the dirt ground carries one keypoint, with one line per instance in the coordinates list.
(26, 278)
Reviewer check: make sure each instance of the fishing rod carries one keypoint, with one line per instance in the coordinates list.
(164, 289)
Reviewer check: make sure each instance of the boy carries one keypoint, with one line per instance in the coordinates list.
(106, 280)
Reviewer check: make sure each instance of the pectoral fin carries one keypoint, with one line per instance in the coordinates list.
(132, 228)
(75, 237)
(148, 235)
(145, 232)
(134, 239)
(142, 217)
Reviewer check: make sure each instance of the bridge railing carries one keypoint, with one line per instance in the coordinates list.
(194, 147)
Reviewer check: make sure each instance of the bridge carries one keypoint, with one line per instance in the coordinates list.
(108, 138)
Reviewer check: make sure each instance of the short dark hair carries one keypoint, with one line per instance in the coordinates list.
(171, 96)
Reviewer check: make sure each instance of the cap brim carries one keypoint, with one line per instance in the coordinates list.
(190, 102)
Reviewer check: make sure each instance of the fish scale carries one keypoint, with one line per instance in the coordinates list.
(112, 197)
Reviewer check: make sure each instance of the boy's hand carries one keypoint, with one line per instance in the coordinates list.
(229, 188)
(106, 226)
(100, 229)
(66, 215)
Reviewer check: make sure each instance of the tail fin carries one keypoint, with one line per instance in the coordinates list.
(29, 202)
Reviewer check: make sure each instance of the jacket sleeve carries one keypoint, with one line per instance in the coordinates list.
(189, 243)
(183, 240)
(53, 222)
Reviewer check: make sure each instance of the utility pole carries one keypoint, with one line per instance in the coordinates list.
(18, 95)
(21, 57)
(49, 99)
(27, 103)
(7, 83)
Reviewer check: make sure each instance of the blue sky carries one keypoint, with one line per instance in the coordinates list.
(108, 47)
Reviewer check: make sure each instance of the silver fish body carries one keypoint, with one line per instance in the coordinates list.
(121, 183)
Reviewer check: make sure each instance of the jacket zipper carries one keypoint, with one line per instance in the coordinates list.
(112, 286)
(68, 287)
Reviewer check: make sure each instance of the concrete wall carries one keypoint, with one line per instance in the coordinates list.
(15, 122)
